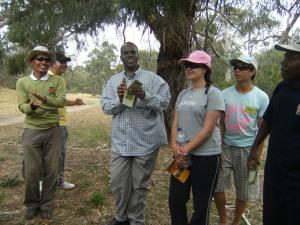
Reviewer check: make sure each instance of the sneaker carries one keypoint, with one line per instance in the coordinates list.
(67, 186)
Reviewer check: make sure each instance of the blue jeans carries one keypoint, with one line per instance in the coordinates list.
(63, 153)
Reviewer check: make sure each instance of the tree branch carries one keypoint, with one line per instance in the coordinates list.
(216, 52)
(285, 33)
(225, 17)
(204, 35)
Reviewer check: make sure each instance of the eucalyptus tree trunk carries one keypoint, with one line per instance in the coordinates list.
(169, 69)
(175, 43)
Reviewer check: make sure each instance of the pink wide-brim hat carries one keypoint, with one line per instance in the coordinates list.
(199, 57)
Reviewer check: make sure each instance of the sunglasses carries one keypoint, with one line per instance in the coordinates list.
(242, 68)
(192, 65)
(41, 59)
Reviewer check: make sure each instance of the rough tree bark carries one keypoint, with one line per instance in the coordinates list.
(175, 43)
(169, 69)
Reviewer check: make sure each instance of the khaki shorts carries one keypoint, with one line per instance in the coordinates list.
(234, 163)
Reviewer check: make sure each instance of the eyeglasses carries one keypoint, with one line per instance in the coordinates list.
(41, 59)
(192, 65)
(242, 68)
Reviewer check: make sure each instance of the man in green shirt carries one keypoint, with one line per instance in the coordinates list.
(39, 97)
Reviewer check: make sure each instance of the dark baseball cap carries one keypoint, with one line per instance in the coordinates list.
(60, 56)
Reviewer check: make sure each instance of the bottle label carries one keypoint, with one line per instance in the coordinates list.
(182, 174)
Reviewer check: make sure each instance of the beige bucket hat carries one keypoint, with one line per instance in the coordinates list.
(40, 50)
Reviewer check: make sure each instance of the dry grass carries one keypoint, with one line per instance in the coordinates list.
(87, 167)
(91, 202)
(8, 101)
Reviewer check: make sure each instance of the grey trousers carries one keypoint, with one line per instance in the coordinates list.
(41, 161)
(64, 136)
(130, 180)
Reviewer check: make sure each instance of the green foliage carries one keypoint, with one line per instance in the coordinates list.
(83, 211)
(220, 67)
(34, 22)
(77, 80)
(161, 14)
(223, 26)
(2, 56)
(147, 59)
(97, 198)
(2, 158)
(100, 66)
(7, 181)
(268, 75)
(2, 52)
(15, 63)
(243, 222)
(12, 62)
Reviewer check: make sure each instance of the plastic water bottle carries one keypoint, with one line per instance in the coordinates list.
(181, 139)
(252, 175)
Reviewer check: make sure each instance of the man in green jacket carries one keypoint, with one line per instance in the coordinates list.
(39, 97)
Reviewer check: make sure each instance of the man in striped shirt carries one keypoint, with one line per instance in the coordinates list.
(137, 134)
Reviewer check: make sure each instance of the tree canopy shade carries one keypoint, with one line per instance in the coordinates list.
(32, 22)
(216, 26)
(51, 22)
(101, 66)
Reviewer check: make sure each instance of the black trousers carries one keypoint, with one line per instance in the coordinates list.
(280, 207)
(202, 181)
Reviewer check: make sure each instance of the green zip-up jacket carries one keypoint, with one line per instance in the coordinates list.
(46, 115)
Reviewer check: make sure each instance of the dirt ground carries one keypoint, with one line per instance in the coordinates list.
(91, 202)
(9, 113)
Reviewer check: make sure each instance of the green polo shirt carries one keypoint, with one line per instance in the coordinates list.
(46, 115)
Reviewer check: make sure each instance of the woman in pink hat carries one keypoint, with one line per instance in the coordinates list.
(197, 113)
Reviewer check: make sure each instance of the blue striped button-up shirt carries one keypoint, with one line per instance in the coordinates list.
(138, 130)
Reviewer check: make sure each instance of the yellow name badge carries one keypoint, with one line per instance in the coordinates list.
(298, 110)
(250, 110)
